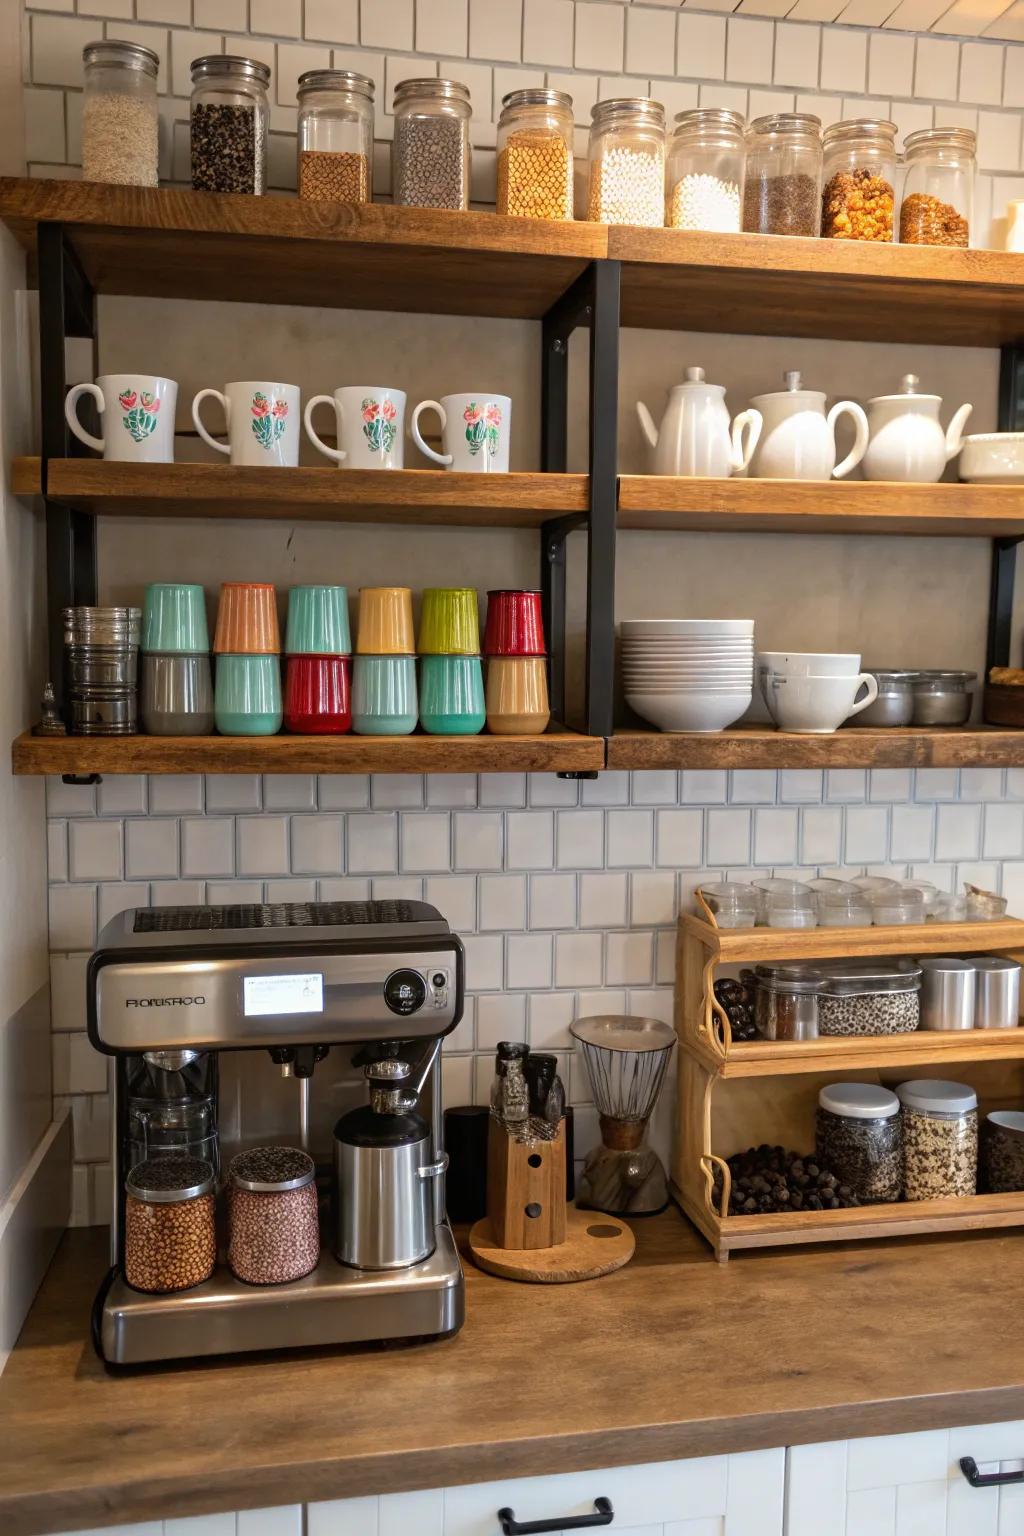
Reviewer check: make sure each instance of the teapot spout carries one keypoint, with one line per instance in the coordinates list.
(955, 432)
(647, 426)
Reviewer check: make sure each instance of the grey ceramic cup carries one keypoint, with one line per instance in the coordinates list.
(177, 695)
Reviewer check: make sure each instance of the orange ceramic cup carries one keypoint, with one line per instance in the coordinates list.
(517, 695)
(247, 620)
(385, 622)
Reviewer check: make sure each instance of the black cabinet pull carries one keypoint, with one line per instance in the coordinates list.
(603, 1515)
(969, 1468)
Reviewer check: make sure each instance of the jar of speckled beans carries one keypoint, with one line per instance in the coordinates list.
(169, 1238)
(272, 1209)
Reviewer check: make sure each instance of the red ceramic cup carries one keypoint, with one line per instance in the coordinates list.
(317, 695)
(515, 624)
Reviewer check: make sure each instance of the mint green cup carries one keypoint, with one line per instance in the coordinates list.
(247, 696)
(384, 699)
(452, 695)
(174, 618)
(318, 622)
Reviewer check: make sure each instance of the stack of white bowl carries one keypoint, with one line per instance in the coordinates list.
(688, 674)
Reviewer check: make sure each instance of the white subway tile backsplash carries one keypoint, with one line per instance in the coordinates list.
(749, 50)
(425, 841)
(500, 1017)
(372, 844)
(958, 832)
(262, 845)
(679, 838)
(122, 794)
(57, 850)
(600, 31)
(502, 903)
(553, 901)
(317, 844)
(629, 959)
(889, 784)
(176, 794)
(451, 790)
(502, 789)
(454, 895)
(151, 849)
(116, 898)
(69, 799)
(94, 850)
(578, 960)
(495, 29)
(630, 839)
(1003, 836)
(548, 32)
(609, 788)
(650, 39)
(580, 839)
(529, 839)
(289, 792)
(528, 960)
(843, 59)
(911, 832)
(340, 792)
(775, 837)
(386, 24)
(867, 834)
(551, 1013)
(233, 792)
(700, 46)
(704, 786)
(654, 900)
(891, 64)
(937, 69)
(396, 791)
(207, 846)
(821, 834)
(484, 963)
(603, 900)
(728, 837)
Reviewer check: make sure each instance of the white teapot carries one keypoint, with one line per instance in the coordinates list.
(799, 440)
(695, 436)
(907, 440)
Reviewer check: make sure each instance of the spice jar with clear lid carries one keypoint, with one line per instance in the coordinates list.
(627, 162)
(430, 154)
(272, 1209)
(335, 138)
(119, 114)
(858, 202)
(858, 1136)
(786, 1002)
(228, 123)
(938, 188)
(940, 1138)
(704, 177)
(782, 183)
(169, 1237)
(535, 154)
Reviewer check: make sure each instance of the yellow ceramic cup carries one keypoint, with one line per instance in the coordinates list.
(385, 622)
(517, 695)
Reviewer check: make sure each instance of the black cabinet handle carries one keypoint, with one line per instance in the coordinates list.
(603, 1515)
(969, 1468)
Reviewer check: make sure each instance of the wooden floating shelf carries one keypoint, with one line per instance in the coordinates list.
(784, 1058)
(757, 747)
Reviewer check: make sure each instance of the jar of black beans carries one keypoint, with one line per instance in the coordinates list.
(859, 1136)
(430, 155)
(228, 121)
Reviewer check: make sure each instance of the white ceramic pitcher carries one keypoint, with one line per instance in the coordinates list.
(695, 436)
(799, 439)
(907, 441)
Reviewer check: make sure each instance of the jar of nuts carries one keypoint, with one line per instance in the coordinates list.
(272, 1213)
(938, 191)
(627, 162)
(169, 1238)
(705, 171)
(858, 202)
(535, 154)
(335, 136)
(430, 155)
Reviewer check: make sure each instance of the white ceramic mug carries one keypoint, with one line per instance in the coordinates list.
(475, 431)
(371, 426)
(809, 663)
(262, 422)
(818, 705)
(140, 426)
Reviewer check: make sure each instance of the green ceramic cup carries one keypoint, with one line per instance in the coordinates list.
(247, 696)
(452, 695)
(174, 619)
(318, 622)
(449, 622)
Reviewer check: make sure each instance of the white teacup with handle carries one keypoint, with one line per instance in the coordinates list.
(475, 431)
(371, 426)
(262, 422)
(818, 705)
(138, 417)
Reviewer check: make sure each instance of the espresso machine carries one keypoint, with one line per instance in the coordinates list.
(310, 1026)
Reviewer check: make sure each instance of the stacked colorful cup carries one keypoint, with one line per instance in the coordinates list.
(451, 674)
(517, 669)
(318, 658)
(247, 644)
(177, 686)
(384, 698)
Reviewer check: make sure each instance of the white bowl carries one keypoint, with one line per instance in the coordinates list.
(703, 712)
(995, 458)
(647, 627)
(684, 691)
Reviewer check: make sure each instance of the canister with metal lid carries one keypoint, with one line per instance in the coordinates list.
(858, 1137)
(895, 702)
(272, 1209)
(169, 1237)
(947, 992)
(786, 1003)
(996, 992)
(943, 698)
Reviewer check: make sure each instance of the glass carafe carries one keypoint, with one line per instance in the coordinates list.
(172, 1107)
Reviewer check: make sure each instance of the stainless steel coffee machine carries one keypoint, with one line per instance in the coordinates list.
(313, 1026)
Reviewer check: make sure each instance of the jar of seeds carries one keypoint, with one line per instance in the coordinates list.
(859, 171)
(335, 136)
(272, 1209)
(169, 1238)
(119, 116)
(940, 1138)
(859, 1137)
(228, 115)
(705, 171)
(535, 155)
(627, 162)
(877, 998)
(938, 191)
(782, 192)
(430, 155)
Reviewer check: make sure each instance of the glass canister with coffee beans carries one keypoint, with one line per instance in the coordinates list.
(627, 162)
(535, 154)
(430, 155)
(940, 1138)
(938, 189)
(859, 1136)
(228, 124)
(335, 136)
(272, 1214)
(782, 187)
(858, 201)
(169, 1234)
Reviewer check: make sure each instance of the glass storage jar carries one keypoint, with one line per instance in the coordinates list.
(784, 893)
(877, 998)
(535, 154)
(901, 904)
(430, 155)
(782, 184)
(119, 115)
(335, 139)
(228, 124)
(734, 906)
(940, 1138)
(627, 162)
(169, 1238)
(943, 698)
(272, 1210)
(858, 1137)
(843, 909)
(858, 202)
(938, 188)
(786, 1005)
(510, 1098)
(704, 179)
(895, 702)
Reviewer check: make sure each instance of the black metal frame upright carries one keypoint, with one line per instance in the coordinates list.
(1004, 551)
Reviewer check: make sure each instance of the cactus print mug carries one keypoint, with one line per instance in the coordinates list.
(262, 422)
(371, 426)
(138, 417)
(475, 432)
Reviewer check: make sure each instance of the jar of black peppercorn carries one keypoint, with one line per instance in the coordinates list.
(430, 156)
(782, 192)
(229, 114)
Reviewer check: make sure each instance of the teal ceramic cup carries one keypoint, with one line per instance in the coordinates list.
(452, 695)
(384, 699)
(318, 622)
(247, 695)
(174, 619)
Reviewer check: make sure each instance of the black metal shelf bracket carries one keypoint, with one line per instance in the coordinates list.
(1004, 551)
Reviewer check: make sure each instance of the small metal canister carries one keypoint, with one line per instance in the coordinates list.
(895, 703)
(997, 993)
(947, 993)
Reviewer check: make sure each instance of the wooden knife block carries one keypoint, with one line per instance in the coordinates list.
(525, 1189)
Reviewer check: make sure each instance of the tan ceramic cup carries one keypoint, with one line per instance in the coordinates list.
(517, 695)
(247, 620)
(385, 622)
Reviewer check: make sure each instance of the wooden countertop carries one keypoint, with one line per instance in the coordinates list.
(673, 1356)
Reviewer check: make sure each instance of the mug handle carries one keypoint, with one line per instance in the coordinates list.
(430, 405)
(337, 454)
(864, 681)
(216, 394)
(860, 442)
(71, 414)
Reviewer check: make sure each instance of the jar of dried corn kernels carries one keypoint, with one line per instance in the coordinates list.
(535, 154)
(858, 201)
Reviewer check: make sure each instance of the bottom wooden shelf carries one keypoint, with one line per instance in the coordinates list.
(756, 747)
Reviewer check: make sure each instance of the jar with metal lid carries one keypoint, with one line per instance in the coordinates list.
(119, 114)
(943, 698)
(228, 123)
(627, 162)
(170, 1242)
(272, 1209)
(880, 997)
(938, 189)
(786, 1004)
(895, 702)
(940, 1138)
(510, 1098)
(430, 154)
(704, 179)
(782, 192)
(335, 140)
(858, 202)
(858, 1136)
(535, 154)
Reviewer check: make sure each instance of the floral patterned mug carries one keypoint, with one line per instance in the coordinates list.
(371, 426)
(138, 412)
(262, 422)
(475, 432)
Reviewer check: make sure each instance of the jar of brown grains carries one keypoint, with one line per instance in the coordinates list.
(858, 202)
(169, 1238)
(535, 154)
(938, 190)
(627, 162)
(431, 159)
(782, 190)
(272, 1214)
(335, 141)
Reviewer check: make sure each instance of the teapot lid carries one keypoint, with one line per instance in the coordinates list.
(793, 380)
(698, 377)
(908, 390)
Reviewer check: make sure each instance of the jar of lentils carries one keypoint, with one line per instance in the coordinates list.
(938, 190)
(859, 1138)
(782, 188)
(272, 1212)
(335, 136)
(119, 116)
(876, 998)
(858, 201)
(940, 1138)
(228, 123)
(705, 171)
(535, 155)
(627, 162)
(169, 1237)
(430, 155)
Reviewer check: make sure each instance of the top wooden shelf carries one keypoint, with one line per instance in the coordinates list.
(751, 946)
